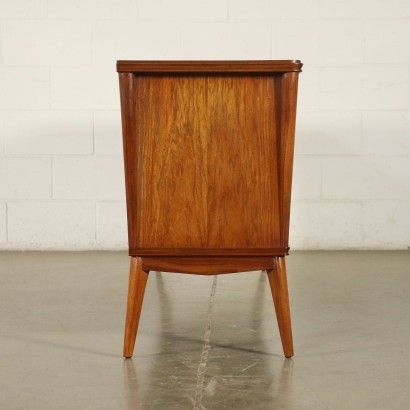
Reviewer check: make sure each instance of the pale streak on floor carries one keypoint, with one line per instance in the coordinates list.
(62, 319)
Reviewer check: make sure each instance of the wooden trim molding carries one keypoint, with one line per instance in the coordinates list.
(207, 265)
(258, 66)
(277, 251)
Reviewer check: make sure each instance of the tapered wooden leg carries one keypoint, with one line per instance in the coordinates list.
(136, 290)
(279, 287)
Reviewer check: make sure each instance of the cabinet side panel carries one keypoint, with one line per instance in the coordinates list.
(131, 155)
(170, 114)
(243, 202)
(288, 98)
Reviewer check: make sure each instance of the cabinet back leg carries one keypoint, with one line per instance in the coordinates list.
(279, 288)
(136, 290)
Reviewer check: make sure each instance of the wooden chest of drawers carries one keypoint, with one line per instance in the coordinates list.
(208, 152)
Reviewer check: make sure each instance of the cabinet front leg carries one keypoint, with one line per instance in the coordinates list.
(279, 288)
(136, 290)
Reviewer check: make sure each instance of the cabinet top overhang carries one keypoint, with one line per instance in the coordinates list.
(255, 66)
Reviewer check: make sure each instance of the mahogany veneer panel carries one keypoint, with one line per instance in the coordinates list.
(171, 133)
(243, 197)
(208, 161)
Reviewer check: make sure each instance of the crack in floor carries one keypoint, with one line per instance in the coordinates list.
(200, 375)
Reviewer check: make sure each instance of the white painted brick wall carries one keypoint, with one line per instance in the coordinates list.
(370, 9)
(382, 87)
(228, 41)
(120, 39)
(87, 88)
(88, 178)
(183, 9)
(387, 41)
(324, 42)
(368, 178)
(384, 224)
(48, 132)
(50, 224)
(61, 171)
(3, 223)
(112, 225)
(46, 42)
(330, 225)
(273, 9)
(307, 183)
(92, 9)
(24, 88)
(1, 133)
(24, 9)
(25, 178)
(329, 133)
(107, 133)
(386, 133)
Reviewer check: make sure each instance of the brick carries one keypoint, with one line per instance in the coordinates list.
(85, 88)
(92, 9)
(3, 222)
(112, 225)
(273, 9)
(49, 132)
(183, 9)
(51, 224)
(25, 178)
(307, 178)
(1, 133)
(326, 225)
(298, 9)
(387, 41)
(341, 42)
(366, 178)
(318, 42)
(89, 178)
(364, 9)
(297, 40)
(372, 87)
(107, 133)
(331, 133)
(386, 133)
(45, 42)
(387, 225)
(255, 9)
(308, 89)
(133, 40)
(225, 41)
(24, 88)
(26, 9)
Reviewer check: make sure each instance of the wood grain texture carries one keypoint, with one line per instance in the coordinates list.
(203, 162)
(136, 289)
(287, 98)
(243, 197)
(279, 251)
(171, 133)
(259, 66)
(213, 265)
(279, 287)
(132, 152)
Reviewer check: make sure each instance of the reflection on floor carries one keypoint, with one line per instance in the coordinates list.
(204, 342)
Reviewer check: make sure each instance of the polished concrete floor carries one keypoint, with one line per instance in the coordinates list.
(204, 342)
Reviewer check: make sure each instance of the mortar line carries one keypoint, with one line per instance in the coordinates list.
(200, 375)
